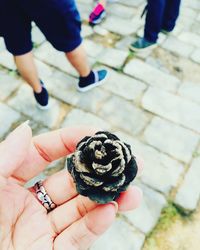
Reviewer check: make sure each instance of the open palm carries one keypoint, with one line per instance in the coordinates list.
(24, 223)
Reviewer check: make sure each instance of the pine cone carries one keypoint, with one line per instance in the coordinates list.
(102, 167)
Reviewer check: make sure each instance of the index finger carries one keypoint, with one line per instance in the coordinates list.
(48, 147)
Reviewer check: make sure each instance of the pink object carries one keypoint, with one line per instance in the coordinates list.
(98, 9)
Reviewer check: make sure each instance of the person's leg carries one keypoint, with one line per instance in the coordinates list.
(154, 19)
(79, 61)
(171, 14)
(27, 69)
(88, 78)
(64, 33)
(17, 35)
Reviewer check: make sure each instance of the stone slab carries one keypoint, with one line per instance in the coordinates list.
(121, 26)
(8, 117)
(78, 117)
(24, 102)
(190, 38)
(190, 90)
(124, 43)
(93, 49)
(113, 57)
(2, 45)
(160, 171)
(188, 194)
(172, 107)
(37, 36)
(124, 115)
(134, 3)
(6, 60)
(86, 31)
(43, 69)
(146, 216)
(178, 47)
(120, 236)
(122, 11)
(196, 56)
(49, 55)
(63, 87)
(151, 75)
(172, 139)
(124, 86)
(9, 82)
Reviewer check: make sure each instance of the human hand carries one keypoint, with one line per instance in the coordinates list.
(24, 223)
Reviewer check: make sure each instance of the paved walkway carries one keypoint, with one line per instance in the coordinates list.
(151, 101)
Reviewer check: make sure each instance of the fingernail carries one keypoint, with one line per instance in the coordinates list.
(24, 124)
(20, 128)
(115, 205)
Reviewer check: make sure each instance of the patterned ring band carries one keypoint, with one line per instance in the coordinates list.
(43, 197)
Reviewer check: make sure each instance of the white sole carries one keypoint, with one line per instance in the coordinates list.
(99, 83)
(42, 107)
(100, 20)
(151, 47)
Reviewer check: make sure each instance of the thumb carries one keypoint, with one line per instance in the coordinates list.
(14, 149)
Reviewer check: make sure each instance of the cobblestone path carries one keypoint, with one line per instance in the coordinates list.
(151, 100)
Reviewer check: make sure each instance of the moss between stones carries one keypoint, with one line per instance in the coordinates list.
(168, 216)
(131, 55)
(175, 231)
(196, 154)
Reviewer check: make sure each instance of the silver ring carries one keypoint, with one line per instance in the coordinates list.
(43, 197)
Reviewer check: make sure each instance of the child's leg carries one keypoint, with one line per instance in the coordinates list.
(171, 14)
(17, 35)
(154, 19)
(78, 59)
(63, 31)
(27, 69)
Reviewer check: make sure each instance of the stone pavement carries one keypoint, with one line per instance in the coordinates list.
(152, 101)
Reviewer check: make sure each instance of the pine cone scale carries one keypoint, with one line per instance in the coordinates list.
(116, 185)
(91, 181)
(102, 167)
(79, 166)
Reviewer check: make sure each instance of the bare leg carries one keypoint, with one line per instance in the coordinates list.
(78, 59)
(26, 66)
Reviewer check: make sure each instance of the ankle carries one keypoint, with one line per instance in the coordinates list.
(87, 75)
(38, 90)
